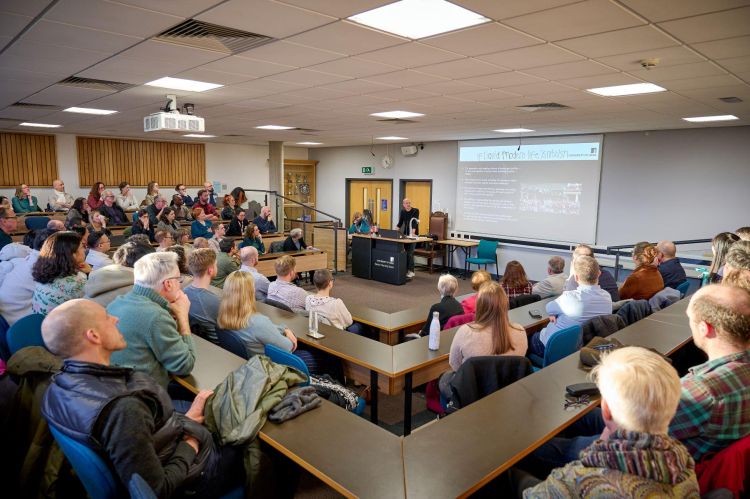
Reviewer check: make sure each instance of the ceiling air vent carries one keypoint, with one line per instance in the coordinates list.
(92, 84)
(397, 121)
(209, 36)
(730, 100)
(545, 106)
(31, 105)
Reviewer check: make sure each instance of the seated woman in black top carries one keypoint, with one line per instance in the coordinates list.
(142, 225)
(447, 307)
(230, 208)
(294, 242)
(238, 224)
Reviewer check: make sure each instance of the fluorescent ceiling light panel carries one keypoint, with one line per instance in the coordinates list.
(419, 18)
(182, 84)
(199, 136)
(40, 125)
(703, 119)
(620, 90)
(275, 127)
(397, 114)
(309, 143)
(513, 130)
(89, 110)
(391, 137)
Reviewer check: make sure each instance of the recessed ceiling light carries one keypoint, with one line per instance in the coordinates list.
(702, 119)
(309, 143)
(633, 89)
(182, 84)
(391, 137)
(40, 125)
(199, 136)
(419, 18)
(513, 130)
(89, 110)
(397, 114)
(275, 127)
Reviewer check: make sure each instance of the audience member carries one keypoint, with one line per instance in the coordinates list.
(743, 233)
(78, 214)
(478, 278)
(59, 200)
(209, 188)
(490, 333)
(408, 224)
(238, 224)
(640, 392)
(554, 283)
(238, 193)
(126, 199)
(152, 191)
(264, 221)
(5, 203)
(670, 267)
(167, 222)
(95, 200)
(209, 208)
(447, 307)
(237, 313)
(200, 243)
(201, 226)
(24, 202)
(249, 259)
(127, 417)
(218, 237)
(204, 298)
(606, 281)
(181, 210)
(359, 225)
(183, 239)
(154, 320)
(178, 250)
(115, 215)
(514, 280)
(645, 281)
(59, 271)
(181, 191)
(156, 209)
(330, 309)
(142, 225)
(164, 238)
(8, 225)
(229, 209)
(573, 308)
(737, 267)
(97, 222)
(107, 283)
(283, 289)
(294, 242)
(18, 286)
(253, 238)
(98, 244)
(225, 262)
(720, 246)
(55, 225)
(84, 233)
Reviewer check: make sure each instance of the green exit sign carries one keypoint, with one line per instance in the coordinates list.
(367, 170)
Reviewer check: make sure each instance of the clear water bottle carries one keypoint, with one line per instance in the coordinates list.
(434, 342)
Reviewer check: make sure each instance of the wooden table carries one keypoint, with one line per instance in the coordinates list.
(306, 260)
(451, 245)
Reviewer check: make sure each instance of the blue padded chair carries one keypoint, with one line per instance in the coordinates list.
(36, 223)
(26, 332)
(683, 288)
(486, 254)
(285, 358)
(560, 345)
(4, 350)
(228, 340)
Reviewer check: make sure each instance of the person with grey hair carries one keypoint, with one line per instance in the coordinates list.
(554, 283)
(154, 319)
(108, 282)
(294, 242)
(249, 259)
(447, 307)
(55, 225)
(59, 200)
(155, 210)
(110, 209)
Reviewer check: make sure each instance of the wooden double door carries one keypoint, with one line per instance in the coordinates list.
(373, 195)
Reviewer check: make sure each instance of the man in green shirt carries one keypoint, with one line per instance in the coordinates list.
(225, 263)
(8, 224)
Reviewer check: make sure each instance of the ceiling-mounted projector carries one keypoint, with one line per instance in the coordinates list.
(169, 119)
(409, 150)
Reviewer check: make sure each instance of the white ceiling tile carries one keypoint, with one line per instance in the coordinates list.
(354, 67)
(23, 113)
(530, 57)
(45, 58)
(668, 56)
(708, 27)
(313, 93)
(183, 8)
(291, 54)
(265, 17)
(510, 8)
(621, 41)
(405, 78)
(461, 68)
(570, 70)
(667, 73)
(132, 98)
(136, 71)
(449, 87)
(12, 24)
(485, 95)
(536, 88)
(30, 8)
(152, 50)
(308, 77)
(246, 66)
(202, 74)
(663, 10)
(66, 96)
(483, 39)
(602, 81)
(347, 37)
(721, 49)
(113, 17)
(267, 86)
(78, 37)
(703, 82)
(22, 75)
(338, 8)
(736, 64)
(506, 79)
(359, 86)
(588, 17)
(410, 55)
(361, 100)
(401, 94)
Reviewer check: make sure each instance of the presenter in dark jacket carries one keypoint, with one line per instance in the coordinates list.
(405, 225)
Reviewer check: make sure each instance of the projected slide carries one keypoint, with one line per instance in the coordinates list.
(548, 189)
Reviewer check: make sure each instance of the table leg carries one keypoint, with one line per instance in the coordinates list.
(467, 255)
(407, 403)
(374, 397)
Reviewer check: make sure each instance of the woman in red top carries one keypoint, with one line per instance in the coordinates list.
(95, 199)
(645, 281)
(478, 278)
(514, 280)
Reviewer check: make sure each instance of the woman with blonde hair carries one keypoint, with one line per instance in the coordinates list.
(24, 202)
(152, 190)
(514, 281)
(645, 281)
(720, 245)
(478, 278)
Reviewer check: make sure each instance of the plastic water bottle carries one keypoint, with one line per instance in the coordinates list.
(434, 342)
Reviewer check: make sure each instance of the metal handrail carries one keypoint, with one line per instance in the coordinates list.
(616, 250)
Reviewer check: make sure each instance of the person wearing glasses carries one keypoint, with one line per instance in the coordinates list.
(164, 238)
(109, 208)
(181, 190)
(154, 320)
(98, 244)
(8, 225)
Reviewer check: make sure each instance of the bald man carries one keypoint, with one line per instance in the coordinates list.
(119, 412)
(249, 259)
(669, 265)
(407, 227)
(59, 200)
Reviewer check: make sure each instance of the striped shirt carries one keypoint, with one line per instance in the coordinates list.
(714, 408)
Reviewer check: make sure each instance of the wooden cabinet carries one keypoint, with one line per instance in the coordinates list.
(299, 185)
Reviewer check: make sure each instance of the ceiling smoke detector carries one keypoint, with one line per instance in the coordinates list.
(649, 63)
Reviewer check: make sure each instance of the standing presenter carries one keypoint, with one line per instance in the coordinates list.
(407, 227)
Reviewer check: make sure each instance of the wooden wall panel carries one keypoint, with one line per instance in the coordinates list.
(27, 159)
(140, 161)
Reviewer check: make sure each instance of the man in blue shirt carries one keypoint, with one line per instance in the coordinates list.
(606, 281)
(264, 221)
(577, 306)
(669, 265)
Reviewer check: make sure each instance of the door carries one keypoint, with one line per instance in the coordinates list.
(419, 193)
(374, 195)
